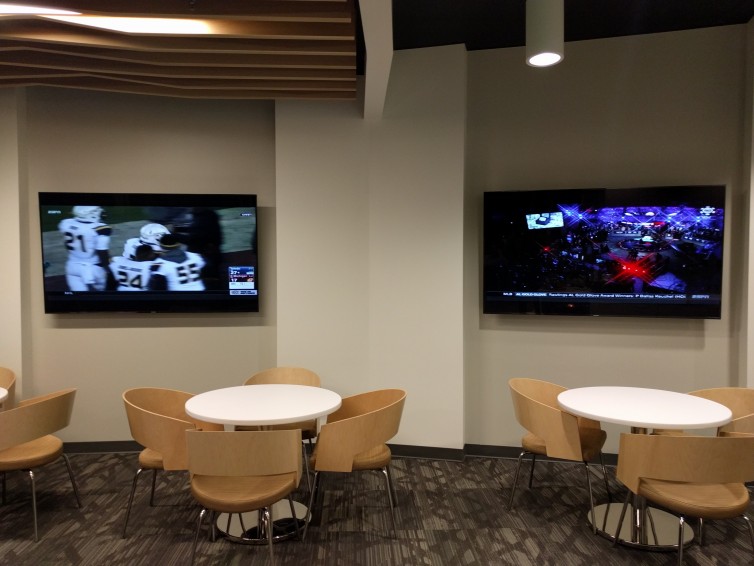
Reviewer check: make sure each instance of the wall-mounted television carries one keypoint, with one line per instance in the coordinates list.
(650, 251)
(140, 252)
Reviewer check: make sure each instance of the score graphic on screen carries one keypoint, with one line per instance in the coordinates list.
(241, 280)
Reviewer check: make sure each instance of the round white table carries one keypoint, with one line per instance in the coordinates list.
(262, 405)
(259, 405)
(643, 409)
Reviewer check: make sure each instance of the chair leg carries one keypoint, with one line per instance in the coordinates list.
(390, 495)
(199, 522)
(73, 480)
(751, 529)
(681, 523)
(131, 500)
(604, 475)
(310, 510)
(620, 519)
(34, 504)
(268, 521)
(652, 524)
(305, 456)
(531, 471)
(295, 519)
(3, 500)
(701, 531)
(515, 479)
(154, 481)
(591, 498)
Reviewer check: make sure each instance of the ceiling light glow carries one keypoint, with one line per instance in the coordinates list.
(544, 32)
(16, 9)
(178, 26)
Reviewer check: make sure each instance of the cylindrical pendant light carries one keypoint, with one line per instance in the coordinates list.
(544, 32)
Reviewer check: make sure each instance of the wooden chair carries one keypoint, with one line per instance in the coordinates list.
(27, 441)
(554, 433)
(688, 475)
(158, 421)
(740, 401)
(291, 376)
(242, 471)
(354, 439)
(8, 382)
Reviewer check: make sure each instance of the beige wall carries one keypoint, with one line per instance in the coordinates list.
(664, 109)
(370, 231)
(79, 141)
(370, 220)
(12, 293)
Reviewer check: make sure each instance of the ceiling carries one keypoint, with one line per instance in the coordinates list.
(495, 24)
(268, 49)
(300, 49)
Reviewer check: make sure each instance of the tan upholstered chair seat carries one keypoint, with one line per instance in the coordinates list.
(150, 459)
(238, 494)
(592, 440)
(711, 501)
(31, 454)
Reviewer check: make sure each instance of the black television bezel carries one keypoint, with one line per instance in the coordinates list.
(657, 195)
(174, 302)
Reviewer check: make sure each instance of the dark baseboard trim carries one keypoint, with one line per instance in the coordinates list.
(106, 446)
(398, 450)
(427, 452)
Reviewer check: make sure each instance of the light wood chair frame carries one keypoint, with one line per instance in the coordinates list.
(536, 409)
(363, 422)
(158, 421)
(245, 453)
(682, 459)
(33, 419)
(740, 400)
(290, 375)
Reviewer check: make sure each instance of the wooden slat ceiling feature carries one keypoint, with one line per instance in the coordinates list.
(269, 49)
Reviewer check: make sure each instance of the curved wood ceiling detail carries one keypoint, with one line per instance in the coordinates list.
(273, 49)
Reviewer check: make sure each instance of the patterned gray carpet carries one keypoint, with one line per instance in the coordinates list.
(449, 513)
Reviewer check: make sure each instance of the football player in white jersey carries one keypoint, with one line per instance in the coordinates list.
(176, 269)
(132, 270)
(87, 240)
(150, 235)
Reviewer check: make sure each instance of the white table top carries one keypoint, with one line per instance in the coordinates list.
(262, 404)
(644, 408)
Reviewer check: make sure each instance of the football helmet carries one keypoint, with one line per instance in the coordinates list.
(88, 213)
(151, 234)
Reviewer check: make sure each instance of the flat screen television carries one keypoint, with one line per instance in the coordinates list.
(651, 251)
(139, 252)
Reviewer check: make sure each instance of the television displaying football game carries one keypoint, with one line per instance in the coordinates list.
(144, 252)
(651, 251)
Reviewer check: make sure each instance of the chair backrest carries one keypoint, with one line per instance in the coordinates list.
(246, 453)
(740, 400)
(536, 407)
(37, 417)
(684, 458)
(8, 382)
(157, 419)
(362, 422)
(289, 375)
